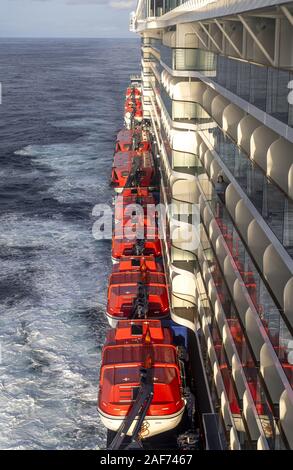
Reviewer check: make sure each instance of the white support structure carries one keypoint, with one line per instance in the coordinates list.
(211, 37)
(287, 13)
(256, 40)
(228, 38)
(199, 37)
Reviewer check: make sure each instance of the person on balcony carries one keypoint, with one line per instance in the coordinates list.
(220, 189)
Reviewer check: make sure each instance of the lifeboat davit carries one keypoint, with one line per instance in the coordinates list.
(125, 246)
(130, 347)
(128, 291)
(123, 166)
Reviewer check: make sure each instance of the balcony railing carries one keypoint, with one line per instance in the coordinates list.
(264, 87)
(269, 418)
(269, 313)
(275, 208)
(187, 59)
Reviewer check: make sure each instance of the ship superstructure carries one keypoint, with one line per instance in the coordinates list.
(216, 81)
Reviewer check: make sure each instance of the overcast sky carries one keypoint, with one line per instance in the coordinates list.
(65, 18)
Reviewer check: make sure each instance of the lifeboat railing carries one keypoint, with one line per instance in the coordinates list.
(137, 412)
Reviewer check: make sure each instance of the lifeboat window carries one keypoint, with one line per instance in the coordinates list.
(136, 330)
(124, 173)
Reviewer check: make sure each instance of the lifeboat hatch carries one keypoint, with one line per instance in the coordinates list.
(136, 330)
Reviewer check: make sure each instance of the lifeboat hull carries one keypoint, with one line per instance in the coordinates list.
(153, 425)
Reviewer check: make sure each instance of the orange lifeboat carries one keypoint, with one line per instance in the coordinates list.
(133, 91)
(137, 294)
(128, 139)
(124, 140)
(140, 165)
(131, 103)
(138, 116)
(133, 116)
(134, 345)
(137, 263)
(138, 331)
(131, 203)
(123, 246)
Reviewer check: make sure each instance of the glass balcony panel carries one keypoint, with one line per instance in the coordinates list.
(264, 87)
(258, 86)
(269, 418)
(277, 94)
(194, 59)
(269, 313)
(272, 203)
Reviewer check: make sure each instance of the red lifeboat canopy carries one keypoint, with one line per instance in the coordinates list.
(125, 139)
(132, 103)
(123, 162)
(121, 167)
(124, 290)
(138, 331)
(125, 206)
(126, 247)
(137, 263)
(138, 115)
(120, 373)
(119, 382)
(133, 91)
(140, 192)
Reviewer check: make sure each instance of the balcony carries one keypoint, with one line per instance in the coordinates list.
(270, 315)
(247, 397)
(188, 59)
(275, 208)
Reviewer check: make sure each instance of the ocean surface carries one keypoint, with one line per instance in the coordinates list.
(62, 105)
